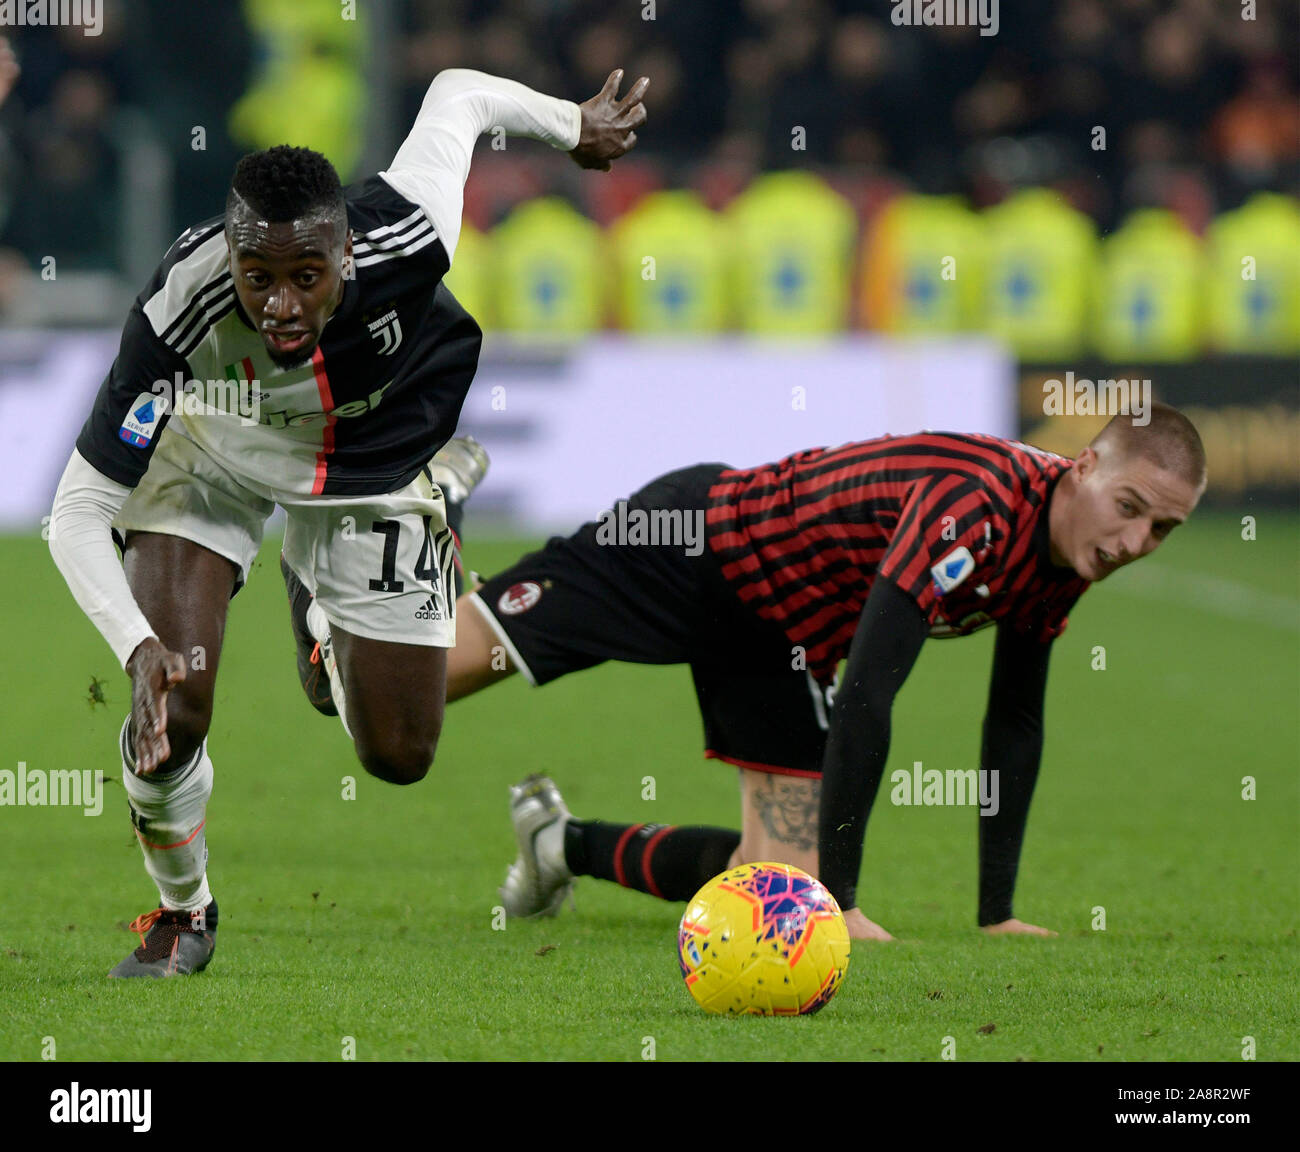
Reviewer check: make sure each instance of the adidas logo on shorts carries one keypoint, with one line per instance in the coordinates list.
(429, 610)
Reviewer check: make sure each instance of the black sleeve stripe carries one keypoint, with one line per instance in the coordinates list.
(178, 331)
(212, 315)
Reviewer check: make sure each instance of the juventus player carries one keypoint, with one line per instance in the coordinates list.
(327, 307)
(860, 551)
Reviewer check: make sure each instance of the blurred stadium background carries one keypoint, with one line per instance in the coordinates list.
(932, 222)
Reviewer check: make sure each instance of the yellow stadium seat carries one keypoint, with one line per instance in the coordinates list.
(923, 267)
(1253, 278)
(547, 271)
(1150, 290)
(792, 253)
(1041, 261)
(670, 266)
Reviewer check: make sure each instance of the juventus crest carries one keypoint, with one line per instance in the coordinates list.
(388, 331)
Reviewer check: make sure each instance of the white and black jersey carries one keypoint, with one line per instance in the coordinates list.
(380, 395)
(384, 388)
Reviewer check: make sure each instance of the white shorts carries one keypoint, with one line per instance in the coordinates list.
(380, 566)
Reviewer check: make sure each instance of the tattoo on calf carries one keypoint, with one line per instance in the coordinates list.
(787, 806)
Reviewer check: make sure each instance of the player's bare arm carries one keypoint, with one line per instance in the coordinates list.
(609, 124)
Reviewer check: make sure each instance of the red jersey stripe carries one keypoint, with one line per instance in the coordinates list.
(327, 432)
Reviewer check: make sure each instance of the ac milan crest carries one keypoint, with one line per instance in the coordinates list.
(519, 598)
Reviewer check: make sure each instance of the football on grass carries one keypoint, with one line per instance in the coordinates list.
(763, 939)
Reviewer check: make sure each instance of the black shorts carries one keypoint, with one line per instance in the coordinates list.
(608, 593)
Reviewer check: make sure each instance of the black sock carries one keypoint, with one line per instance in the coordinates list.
(455, 518)
(664, 860)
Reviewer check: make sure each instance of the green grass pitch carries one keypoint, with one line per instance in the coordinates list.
(372, 918)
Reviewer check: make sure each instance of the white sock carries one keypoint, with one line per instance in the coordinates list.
(319, 626)
(169, 813)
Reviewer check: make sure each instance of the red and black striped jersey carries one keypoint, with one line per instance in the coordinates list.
(958, 522)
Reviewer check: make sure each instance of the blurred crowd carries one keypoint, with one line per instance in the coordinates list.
(1199, 106)
(78, 109)
(1117, 103)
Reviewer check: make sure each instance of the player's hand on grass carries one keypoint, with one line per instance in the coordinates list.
(154, 671)
(860, 928)
(1015, 927)
(9, 69)
(609, 124)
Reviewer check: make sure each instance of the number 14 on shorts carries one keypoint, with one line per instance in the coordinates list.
(425, 568)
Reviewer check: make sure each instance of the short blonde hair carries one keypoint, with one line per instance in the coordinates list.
(1169, 440)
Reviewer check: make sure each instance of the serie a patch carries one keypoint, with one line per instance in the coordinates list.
(952, 569)
(141, 420)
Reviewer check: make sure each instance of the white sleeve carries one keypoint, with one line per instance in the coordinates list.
(431, 165)
(81, 541)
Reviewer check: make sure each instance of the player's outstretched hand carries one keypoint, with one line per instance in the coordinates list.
(1015, 928)
(9, 69)
(154, 672)
(609, 124)
(860, 928)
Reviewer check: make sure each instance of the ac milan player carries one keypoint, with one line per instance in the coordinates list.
(327, 307)
(860, 551)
